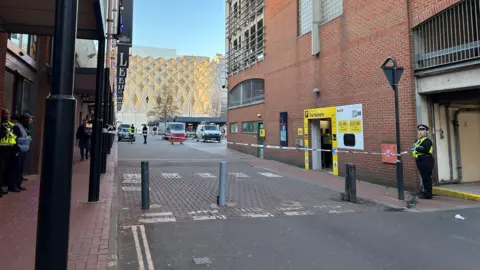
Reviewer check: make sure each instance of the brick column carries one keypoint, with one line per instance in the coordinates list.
(3, 59)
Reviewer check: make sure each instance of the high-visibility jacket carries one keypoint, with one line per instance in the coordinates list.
(419, 143)
(9, 139)
(131, 130)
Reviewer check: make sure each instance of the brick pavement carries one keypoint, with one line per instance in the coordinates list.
(379, 194)
(188, 191)
(89, 223)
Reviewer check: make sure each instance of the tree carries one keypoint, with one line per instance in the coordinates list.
(166, 106)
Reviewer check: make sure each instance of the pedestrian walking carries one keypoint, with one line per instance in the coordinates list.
(423, 152)
(7, 152)
(84, 134)
(145, 133)
(20, 129)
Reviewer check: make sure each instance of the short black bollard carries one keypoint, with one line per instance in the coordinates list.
(145, 186)
(350, 194)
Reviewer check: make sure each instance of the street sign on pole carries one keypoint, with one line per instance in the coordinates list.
(393, 75)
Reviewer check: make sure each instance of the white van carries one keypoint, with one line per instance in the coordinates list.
(208, 132)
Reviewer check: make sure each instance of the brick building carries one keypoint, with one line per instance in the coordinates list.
(293, 64)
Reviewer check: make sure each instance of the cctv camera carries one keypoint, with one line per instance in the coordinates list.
(316, 90)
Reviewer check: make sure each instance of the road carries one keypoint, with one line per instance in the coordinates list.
(271, 221)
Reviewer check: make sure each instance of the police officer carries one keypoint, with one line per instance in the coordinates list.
(423, 152)
(7, 152)
(132, 133)
(23, 146)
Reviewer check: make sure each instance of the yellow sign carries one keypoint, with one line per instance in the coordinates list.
(343, 126)
(262, 132)
(329, 113)
(300, 131)
(355, 126)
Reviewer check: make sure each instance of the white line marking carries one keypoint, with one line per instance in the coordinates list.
(209, 217)
(206, 175)
(340, 211)
(251, 209)
(257, 215)
(299, 213)
(133, 189)
(141, 266)
(240, 175)
(148, 255)
(267, 174)
(289, 208)
(327, 206)
(132, 181)
(291, 204)
(158, 220)
(129, 176)
(161, 214)
(171, 175)
(203, 212)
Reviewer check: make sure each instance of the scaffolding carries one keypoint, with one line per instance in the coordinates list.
(245, 33)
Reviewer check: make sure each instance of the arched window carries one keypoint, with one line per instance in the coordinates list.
(248, 92)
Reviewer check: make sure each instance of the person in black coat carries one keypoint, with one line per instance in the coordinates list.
(423, 153)
(84, 133)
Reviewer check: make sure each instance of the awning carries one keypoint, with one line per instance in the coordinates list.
(86, 81)
(198, 120)
(37, 17)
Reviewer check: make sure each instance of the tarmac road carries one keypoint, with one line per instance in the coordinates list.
(274, 222)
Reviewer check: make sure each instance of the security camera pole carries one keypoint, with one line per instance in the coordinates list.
(393, 74)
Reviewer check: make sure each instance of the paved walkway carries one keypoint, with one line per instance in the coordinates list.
(379, 194)
(89, 223)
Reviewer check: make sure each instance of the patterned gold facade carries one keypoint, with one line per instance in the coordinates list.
(196, 82)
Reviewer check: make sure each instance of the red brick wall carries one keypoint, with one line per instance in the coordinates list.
(43, 91)
(424, 9)
(3, 60)
(347, 71)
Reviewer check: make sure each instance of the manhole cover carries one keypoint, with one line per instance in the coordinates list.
(202, 260)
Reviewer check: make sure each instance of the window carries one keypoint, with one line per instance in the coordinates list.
(233, 127)
(250, 127)
(304, 16)
(329, 10)
(26, 43)
(247, 92)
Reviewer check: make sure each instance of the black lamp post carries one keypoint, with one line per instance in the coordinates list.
(393, 74)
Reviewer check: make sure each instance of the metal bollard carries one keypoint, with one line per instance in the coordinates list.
(145, 186)
(350, 194)
(353, 184)
(222, 186)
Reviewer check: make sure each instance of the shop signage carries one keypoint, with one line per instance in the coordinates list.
(123, 59)
(284, 129)
(350, 127)
(125, 23)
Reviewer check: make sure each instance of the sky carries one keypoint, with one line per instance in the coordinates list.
(193, 27)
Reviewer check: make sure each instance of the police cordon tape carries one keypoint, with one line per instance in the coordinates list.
(299, 148)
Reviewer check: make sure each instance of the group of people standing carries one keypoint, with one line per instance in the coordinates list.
(15, 143)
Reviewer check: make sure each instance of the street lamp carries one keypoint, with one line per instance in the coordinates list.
(393, 74)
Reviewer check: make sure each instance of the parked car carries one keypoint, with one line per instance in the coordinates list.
(124, 134)
(208, 132)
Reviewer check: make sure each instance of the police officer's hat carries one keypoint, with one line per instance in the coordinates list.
(422, 126)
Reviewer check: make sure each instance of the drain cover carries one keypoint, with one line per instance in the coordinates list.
(202, 260)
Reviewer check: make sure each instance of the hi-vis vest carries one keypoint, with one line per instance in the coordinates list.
(9, 139)
(415, 153)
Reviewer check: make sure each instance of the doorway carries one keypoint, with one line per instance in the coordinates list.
(260, 139)
(322, 139)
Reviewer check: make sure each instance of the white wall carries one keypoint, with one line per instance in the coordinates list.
(86, 53)
(469, 132)
(446, 82)
(469, 129)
